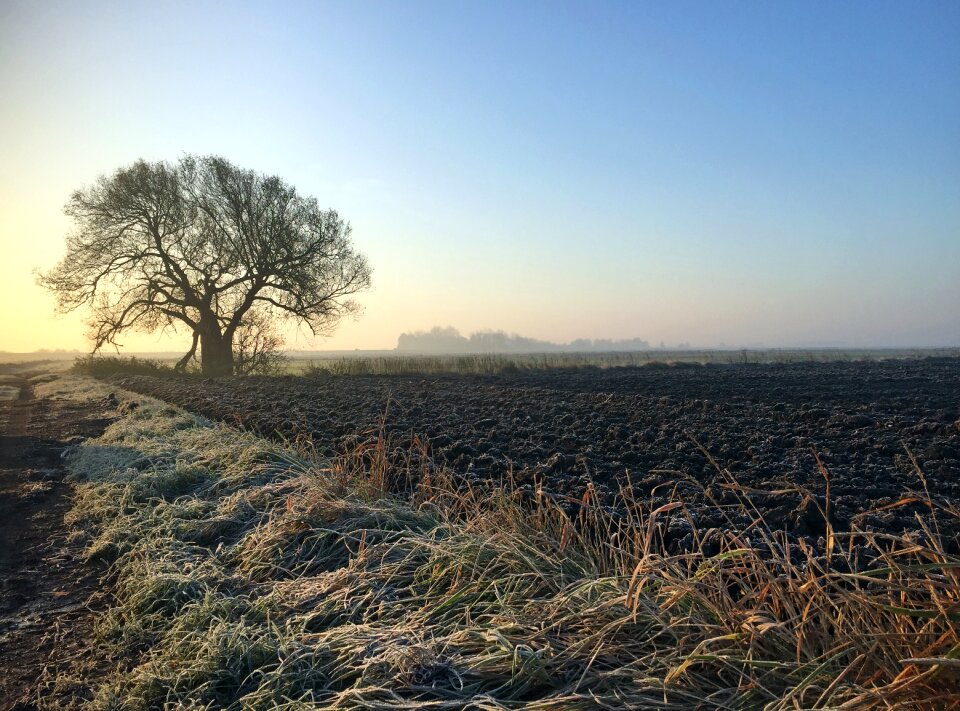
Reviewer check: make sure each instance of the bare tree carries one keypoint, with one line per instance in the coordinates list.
(258, 346)
(196, 245)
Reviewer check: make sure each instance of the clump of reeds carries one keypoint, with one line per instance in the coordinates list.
(253, 575)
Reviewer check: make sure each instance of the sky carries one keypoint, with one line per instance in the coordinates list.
(737, 173)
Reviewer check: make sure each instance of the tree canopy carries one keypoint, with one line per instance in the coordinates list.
(208, 247)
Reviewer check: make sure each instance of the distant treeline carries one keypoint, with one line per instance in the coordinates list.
(449, 340)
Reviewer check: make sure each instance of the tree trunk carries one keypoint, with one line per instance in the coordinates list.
(183, 362)
(216, 353)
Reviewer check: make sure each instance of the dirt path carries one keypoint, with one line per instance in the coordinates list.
(48, 595)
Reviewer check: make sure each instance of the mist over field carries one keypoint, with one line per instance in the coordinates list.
(448, 340)
(738, 174)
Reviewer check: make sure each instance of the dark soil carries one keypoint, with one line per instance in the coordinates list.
(687, 431)
(48, 595)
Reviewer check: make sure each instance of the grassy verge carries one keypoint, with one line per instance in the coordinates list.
(397, 363)
(250, 575)
(472, 364)
(494, 363)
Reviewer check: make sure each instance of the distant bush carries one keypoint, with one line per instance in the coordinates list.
(103, 366)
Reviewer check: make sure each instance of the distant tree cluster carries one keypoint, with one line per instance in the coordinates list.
(449, 340)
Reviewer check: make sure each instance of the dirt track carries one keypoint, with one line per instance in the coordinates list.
(47, 594)
(764, 424)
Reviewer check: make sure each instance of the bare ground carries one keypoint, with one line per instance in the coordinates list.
(48, 595)
(887, 432)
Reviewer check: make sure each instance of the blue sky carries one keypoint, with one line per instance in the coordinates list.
(745, 173)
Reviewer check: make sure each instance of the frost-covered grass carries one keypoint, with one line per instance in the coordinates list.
(251, 575)
(65, 386)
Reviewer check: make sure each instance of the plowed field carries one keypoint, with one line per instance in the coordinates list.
(887, 433)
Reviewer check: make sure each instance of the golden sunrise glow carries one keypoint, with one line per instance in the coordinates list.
(520, 211)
